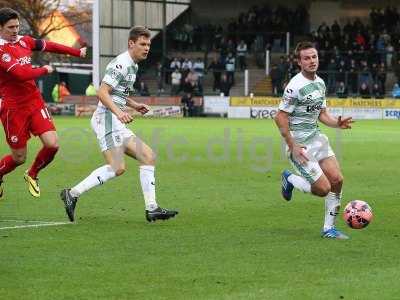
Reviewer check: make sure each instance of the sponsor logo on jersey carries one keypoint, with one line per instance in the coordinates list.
(6, 57)
(26, 60)
(315, 107)
(119, 67)
(114, 74)
(14, 139)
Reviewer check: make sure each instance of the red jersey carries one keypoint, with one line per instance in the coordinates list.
(17, 84)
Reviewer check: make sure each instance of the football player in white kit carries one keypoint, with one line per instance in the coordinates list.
(308, 150)
(115, 139)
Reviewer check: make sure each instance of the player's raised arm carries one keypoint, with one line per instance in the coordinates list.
(104, 95)
(48, 46)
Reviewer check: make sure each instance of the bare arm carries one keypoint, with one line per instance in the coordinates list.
(140, 107)
(282, 121)
(104, 96)
(327, 119)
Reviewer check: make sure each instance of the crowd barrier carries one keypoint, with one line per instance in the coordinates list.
(236, 107)
(85, 106)
(267, 107)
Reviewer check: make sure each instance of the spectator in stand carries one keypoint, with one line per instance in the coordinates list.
(230, 68)
(389, 55)
(90, 90)
(143, 89)
(198, 67)
(191, 82)
(276, 80)
(241, 52)
(341, 72)
(283, 66)
(225, 85)
(159, 76)
(216, 67)
(176, 78)
(396, 70)
(187, 65)
(364, 91)
(175, 64)
(341, 90)
(364, 75)
(377, 91)
(374, 72)
(331, 76)
(187, 105)
(396, 91)
(381, 77)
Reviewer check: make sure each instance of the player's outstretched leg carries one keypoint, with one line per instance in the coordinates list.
(33, 184)
(69, 203)
(7, 165)
(44, 157)
(287, 186)
(96, 178)
(290, 181)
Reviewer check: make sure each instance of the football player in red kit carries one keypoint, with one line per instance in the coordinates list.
(22, 108)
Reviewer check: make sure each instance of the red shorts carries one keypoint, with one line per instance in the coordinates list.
(20, 123)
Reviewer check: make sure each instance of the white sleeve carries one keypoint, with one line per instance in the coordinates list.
(289, 100)
(115, 72)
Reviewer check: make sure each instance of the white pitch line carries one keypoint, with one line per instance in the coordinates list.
(26, 221)
(36, 225)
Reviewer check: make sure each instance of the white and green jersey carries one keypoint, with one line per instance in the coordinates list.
(303, 99)
(120, 75)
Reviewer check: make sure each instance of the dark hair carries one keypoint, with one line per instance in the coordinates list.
(302, 46)
(7, 14)
(138, 31)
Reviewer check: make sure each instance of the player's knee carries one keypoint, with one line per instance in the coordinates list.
(52, 144)
(337, 181)
(322, 190)
(19, 158)
(120, 170)
(148, 158)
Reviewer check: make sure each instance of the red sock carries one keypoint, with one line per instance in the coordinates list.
(43, 158)
(7, 164)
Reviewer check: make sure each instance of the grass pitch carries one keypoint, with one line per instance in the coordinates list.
(235, 238)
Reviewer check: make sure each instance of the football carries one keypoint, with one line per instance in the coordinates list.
(357, 214)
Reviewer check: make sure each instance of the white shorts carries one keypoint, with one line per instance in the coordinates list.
(317, 149)
(110, 132)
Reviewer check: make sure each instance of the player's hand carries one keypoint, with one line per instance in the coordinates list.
(142, 108)
(83, 52)
(124, 117)
(49, 68)
(299, 154)
(344, 123)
